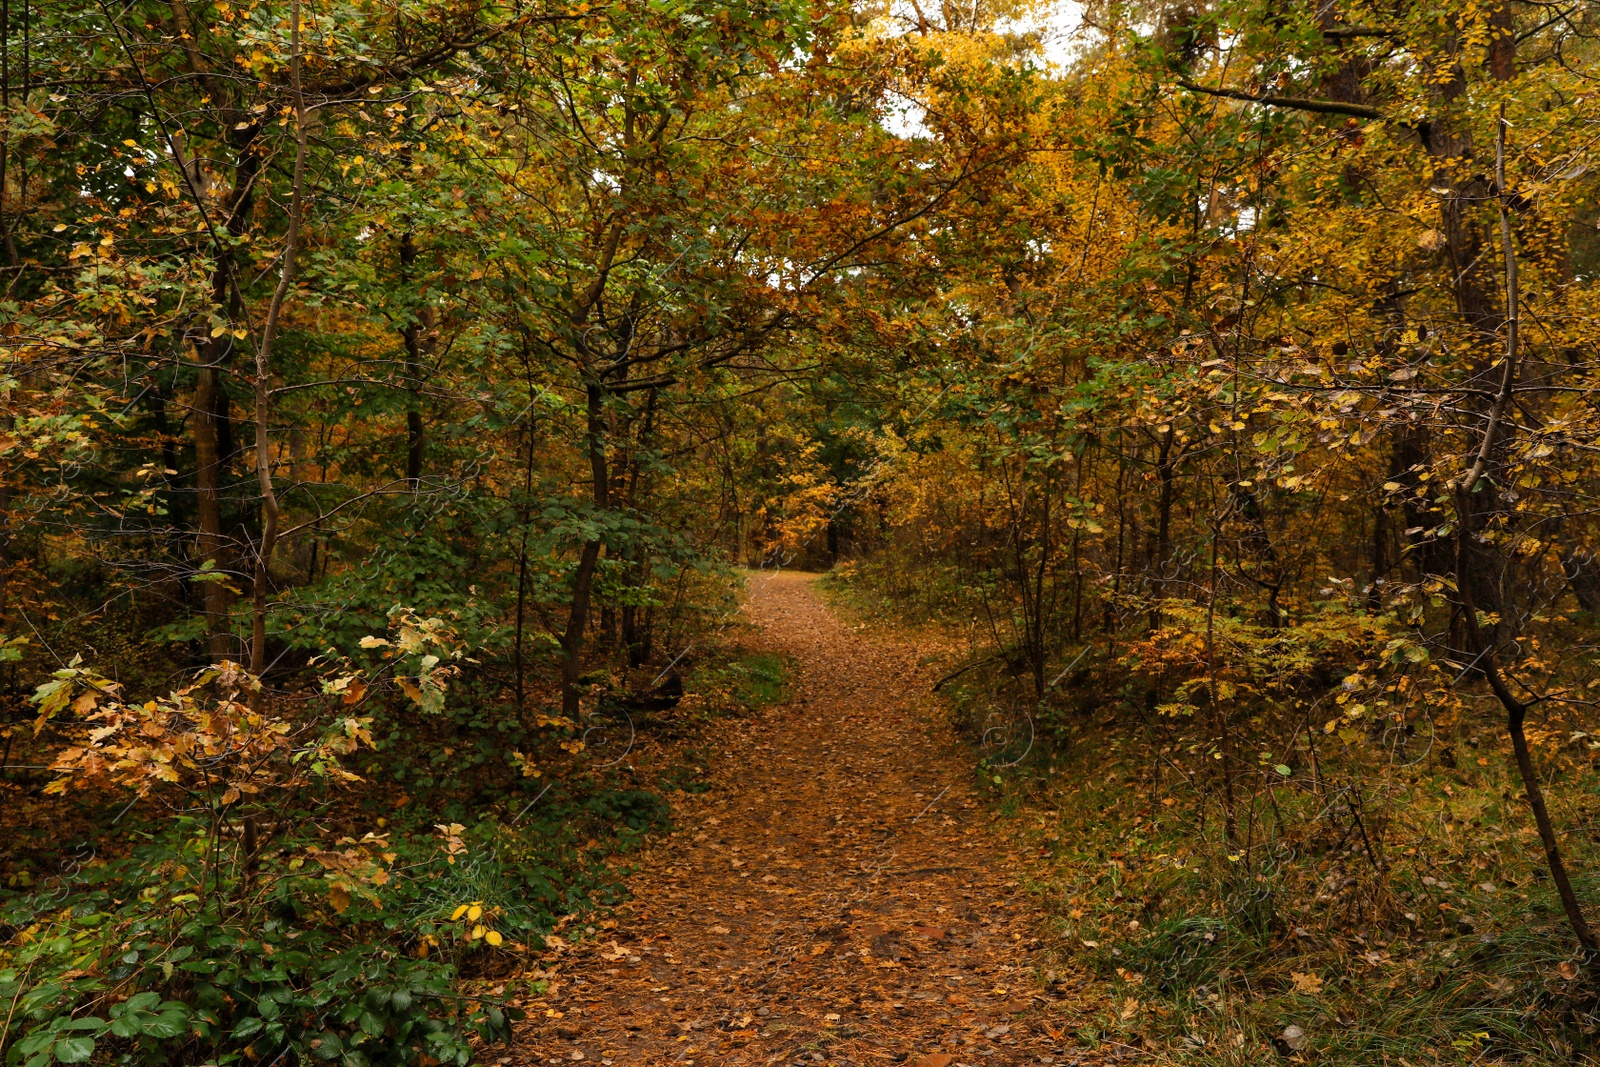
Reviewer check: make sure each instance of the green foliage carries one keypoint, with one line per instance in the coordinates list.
(144, 960)
(747, 682)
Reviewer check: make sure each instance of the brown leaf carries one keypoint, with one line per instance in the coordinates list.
(933, 1059)
(1567, 969)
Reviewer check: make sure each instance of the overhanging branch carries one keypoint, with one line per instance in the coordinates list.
(1297, 103)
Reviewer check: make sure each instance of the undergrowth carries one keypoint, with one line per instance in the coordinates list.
(1383, 898)
(394, 924)
(1431, 935)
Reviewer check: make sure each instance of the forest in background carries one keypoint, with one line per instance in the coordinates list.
(392, 391)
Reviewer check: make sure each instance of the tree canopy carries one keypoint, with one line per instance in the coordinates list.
(382, 380)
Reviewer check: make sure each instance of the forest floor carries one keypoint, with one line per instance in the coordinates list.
(839, 895)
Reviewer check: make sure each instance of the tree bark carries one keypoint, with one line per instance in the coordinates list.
(1484, 645)
(416, 435)
(213, 435)
(263, 376)
(588, 558)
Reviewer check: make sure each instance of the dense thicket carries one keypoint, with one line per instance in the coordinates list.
(416, 371)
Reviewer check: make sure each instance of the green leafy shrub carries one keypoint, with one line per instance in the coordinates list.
(153, 959)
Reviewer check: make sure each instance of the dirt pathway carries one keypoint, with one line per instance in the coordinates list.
(836, 898)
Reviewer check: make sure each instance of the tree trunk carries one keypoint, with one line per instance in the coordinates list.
(588, 559)
(416, 435)
(1485, 646)
(208, 467)
(213, 437)
(263, 376)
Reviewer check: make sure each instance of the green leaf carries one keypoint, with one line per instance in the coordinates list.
(145, 1001)
(74, 1049)
(248, 1027)
(1283, 769)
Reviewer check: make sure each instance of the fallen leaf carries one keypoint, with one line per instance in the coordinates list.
(1567, 969)
(721, 930)
(933, 1059)
(1306, 983)
(1130, 1008)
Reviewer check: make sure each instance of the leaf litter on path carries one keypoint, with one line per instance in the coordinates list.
(835, 898)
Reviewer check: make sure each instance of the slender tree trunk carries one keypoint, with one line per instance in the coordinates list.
(1484, 645)
(213, 437)
(212, 547)
(12, 259)
(635, 637)
(263, 376)
(522, 542)
(1219, 713)
(8, 420)
(416, 435)
(588, 558)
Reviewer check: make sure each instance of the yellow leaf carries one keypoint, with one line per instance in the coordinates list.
(477, 932)
(493, 937)
(460, 911)
(474, 913)
(1306, 983)
(339, 896)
